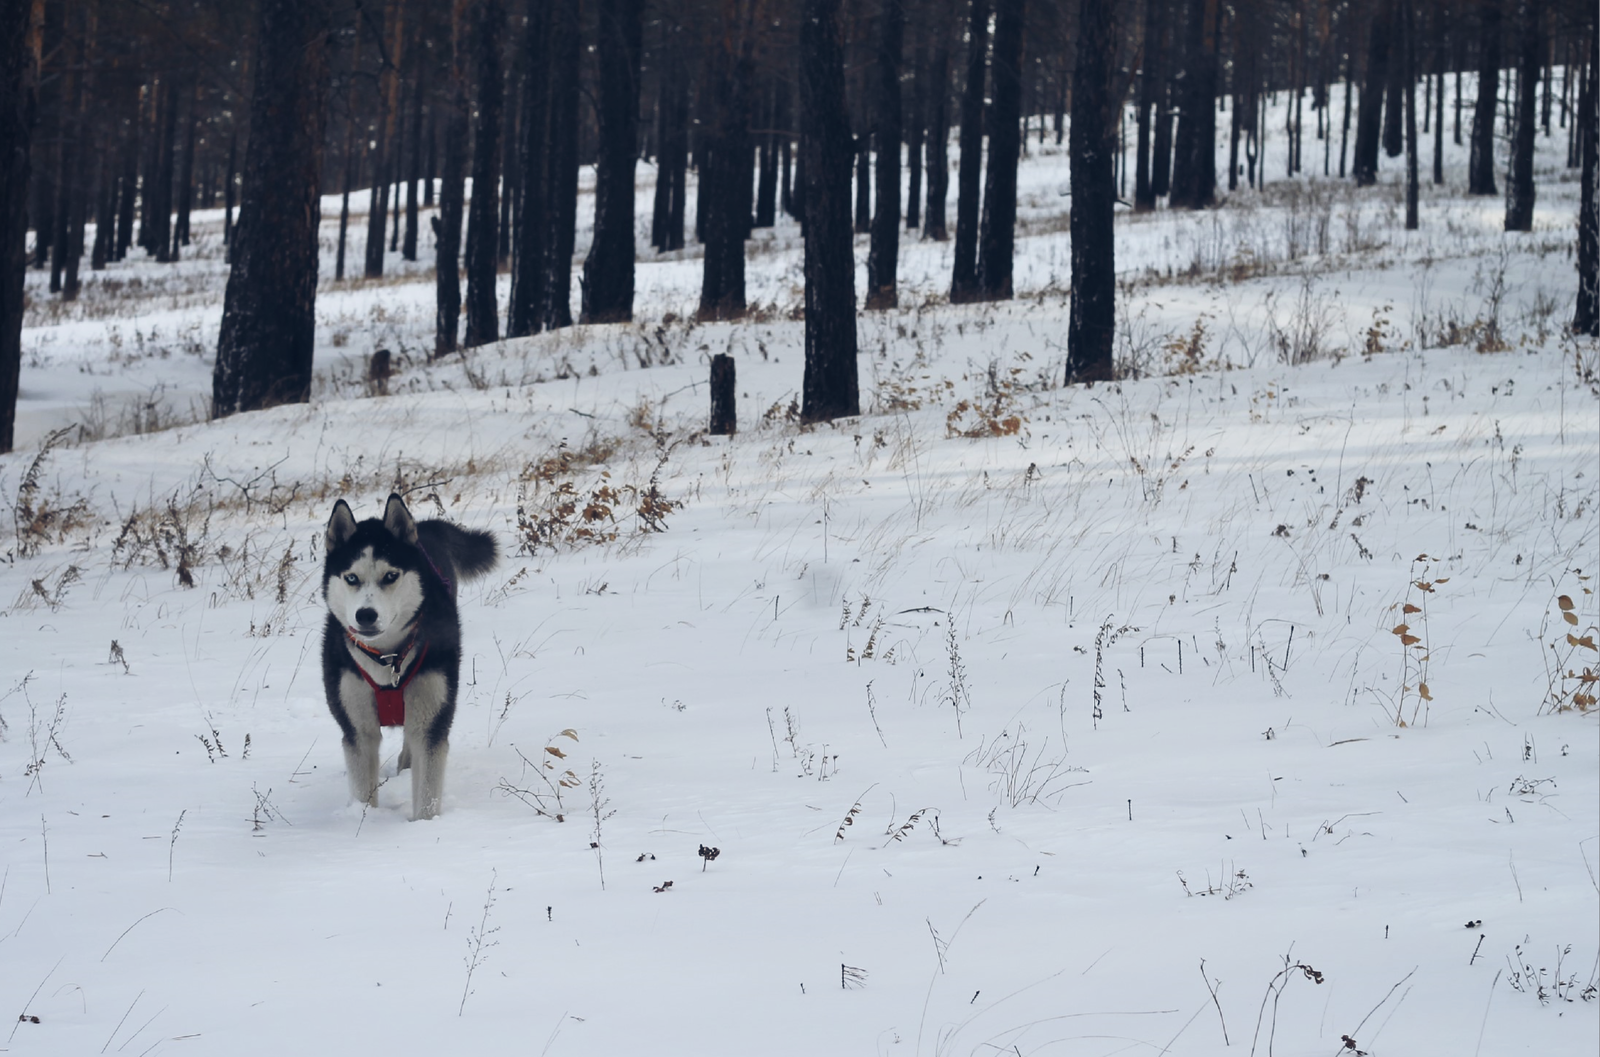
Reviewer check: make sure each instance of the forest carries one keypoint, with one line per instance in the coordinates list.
(125, 116)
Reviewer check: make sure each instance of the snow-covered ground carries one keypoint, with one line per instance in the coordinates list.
(1025, 719)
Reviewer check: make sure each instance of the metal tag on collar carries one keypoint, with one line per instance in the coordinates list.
(391, 661)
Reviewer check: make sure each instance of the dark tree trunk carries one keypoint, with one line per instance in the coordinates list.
(1150, 81)
(1438, 114)
(269, 310)
(767, 155)
(128, 193)
(228, 192)
(408, 245)
(1480, 149)
(608, 271)
(661, 198)
(483, 312)
(344, 198)
(883, 257)
(1519, 181)
(676, 158)
(1194, 178)
(1161, 147)
(383, 167)
(997, 234)
(969, 178)
(180, 230)
(1394, 90)
(509, 179)
(1586, 318)
(830, 388)
(725, 179)
(561, 186)
(452, 194)
(529, 271)
(160, 233)
(1409, 66)
(938, 149)
(1369, 115)
(863, 184)
(914, 135)
(19, 78)
(1091, 323)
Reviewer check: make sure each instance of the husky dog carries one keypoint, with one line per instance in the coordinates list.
(391, 651)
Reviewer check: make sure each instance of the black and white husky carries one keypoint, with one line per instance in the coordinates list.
(391, 651)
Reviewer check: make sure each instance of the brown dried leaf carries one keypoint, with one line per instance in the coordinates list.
(1587, 642)
(1570, 618)
(1409, 640)
(1409, 608)
(1422, 692)
(553, 751)
(1400, 629)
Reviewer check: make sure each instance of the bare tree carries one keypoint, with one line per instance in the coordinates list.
(830, 388)
(269, 309)
(1091, 323)
(19, 72)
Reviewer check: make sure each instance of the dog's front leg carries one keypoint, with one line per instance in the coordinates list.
(361, 752)
(429, 711)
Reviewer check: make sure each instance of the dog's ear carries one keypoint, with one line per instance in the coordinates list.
(397, 519)
(341, 526)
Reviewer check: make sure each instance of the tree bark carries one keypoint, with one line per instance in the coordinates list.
(964, 276)
(1150, 79)
(1586, 318)
(562, 172)
(1091, 322)
(269, 309)
(1369, 114)
(383, 166)
(830, 388)
(452, 192)
(914, 135)
(938, 145)
(883, 256)
(997, 233)
(1194, 178)
(1480, 149)
(408, 245)
(725, 179)
(529, 269)
(1409, 67)
(1520, 189)
(608, 271)
(483, 212)
(724, 397)
(19, 79)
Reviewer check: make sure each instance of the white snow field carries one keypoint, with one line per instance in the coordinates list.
(1024, 719)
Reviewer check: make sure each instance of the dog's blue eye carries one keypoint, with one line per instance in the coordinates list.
(352, 579)
(390, 577)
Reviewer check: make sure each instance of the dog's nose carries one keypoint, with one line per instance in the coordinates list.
(366, 616)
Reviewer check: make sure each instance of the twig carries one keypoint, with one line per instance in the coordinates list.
(1213, 990)
(173, 843)
(45, 835)
(124, 1019)
(1485, 1023)
(129, 929)
(35, 995)
(478, 942)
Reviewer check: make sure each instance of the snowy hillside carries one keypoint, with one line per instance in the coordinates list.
(1226, 708)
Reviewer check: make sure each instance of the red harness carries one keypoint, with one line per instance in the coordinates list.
(391, 700)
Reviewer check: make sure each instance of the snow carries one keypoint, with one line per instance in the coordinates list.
(860, 660)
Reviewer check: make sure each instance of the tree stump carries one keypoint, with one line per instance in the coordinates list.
(379, 371)
(724, 408)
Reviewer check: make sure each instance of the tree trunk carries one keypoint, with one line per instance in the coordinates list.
(830, 388)
(408, 246)
(725, 179)
(1091, 322)
(483, 212)
(863, 183)
(964, 276)
(19, 79)
(228, 193)
(767, 155)
(562, 174)
(724, 397)
(914, 135)
(997, 232)
(351, 171)
(1519, 181)
(1409, 72)
(1194, 178)
(1480, 150)
(1394, 143)
(529, 268)
(883, 257)
(1586, 319)
(185, 189)
(938, 147)
(269, 309)
(160, 236)
(1369, 116)
(383, 167)
(452, 192)
(1150, 79)
(608, 272)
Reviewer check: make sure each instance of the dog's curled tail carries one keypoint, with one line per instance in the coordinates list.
(472, 553)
